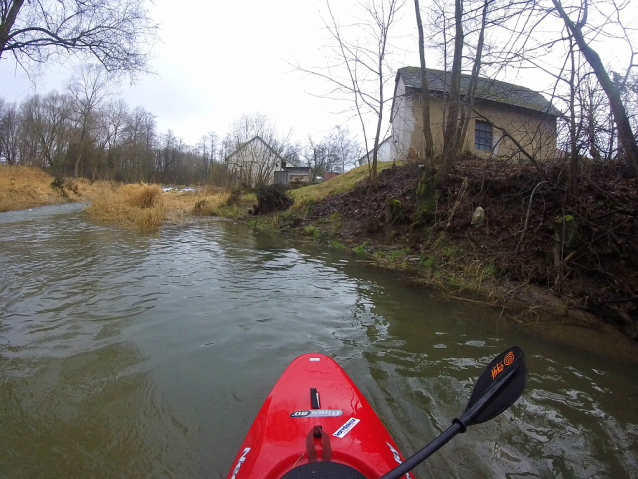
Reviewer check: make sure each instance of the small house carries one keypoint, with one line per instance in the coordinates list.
(253, 162)
(292, 175)
(527, 116)
(298, 174)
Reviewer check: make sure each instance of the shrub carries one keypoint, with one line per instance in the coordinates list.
(233, 199)
(272, 198)
(311, 230)
(142, 196)
(363, 248)
(138, 206)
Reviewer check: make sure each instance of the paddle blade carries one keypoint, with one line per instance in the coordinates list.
(498, 387)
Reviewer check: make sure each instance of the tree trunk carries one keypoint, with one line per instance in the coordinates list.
(625, 133)
(425, 96)
(470, 95)
(375, 152)
(573, 155)
(450, 137)
(7, 25)
(78, 159)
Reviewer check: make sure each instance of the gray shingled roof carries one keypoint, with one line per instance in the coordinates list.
(486, 89)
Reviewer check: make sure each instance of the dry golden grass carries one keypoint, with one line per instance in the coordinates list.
(139, 206)
(148, 207)
(210, 205)
(200, 202)
(24, 187)
(222, 202)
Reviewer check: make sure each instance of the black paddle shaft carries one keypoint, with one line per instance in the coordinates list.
(491, 396)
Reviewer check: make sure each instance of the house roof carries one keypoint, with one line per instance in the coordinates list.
(243, 146)
(486, 89)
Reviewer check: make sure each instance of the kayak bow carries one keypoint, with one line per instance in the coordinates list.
(315, 423)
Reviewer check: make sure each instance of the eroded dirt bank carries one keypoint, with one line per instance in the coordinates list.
(572, 256)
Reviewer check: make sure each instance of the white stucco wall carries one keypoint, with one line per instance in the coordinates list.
(385, 151)
(403, 122)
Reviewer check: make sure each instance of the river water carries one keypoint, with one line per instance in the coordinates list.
(128, 354)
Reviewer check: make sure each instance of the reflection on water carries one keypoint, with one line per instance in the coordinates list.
(126, 354)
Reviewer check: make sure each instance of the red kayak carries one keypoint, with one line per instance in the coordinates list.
(315, 423)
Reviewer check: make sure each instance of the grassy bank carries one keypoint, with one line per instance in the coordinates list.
(147, 207)
(309, 195)
(136, 206)
(24, 187)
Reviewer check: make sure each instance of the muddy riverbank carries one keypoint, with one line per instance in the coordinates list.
(575, 258)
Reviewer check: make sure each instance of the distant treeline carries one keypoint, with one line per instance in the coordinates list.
(76, 135)
(112, 141)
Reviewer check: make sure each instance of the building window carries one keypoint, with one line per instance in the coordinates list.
(482, 136)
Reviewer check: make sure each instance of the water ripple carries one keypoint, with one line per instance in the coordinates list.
(135, 354)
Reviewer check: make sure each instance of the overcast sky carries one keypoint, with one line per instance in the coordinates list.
(218, 60)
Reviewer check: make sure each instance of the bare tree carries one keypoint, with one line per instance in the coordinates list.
(111, 122)
(95, 136)
(138, 139)
(345, 149)
(625, 134)
(583, 22)
(450, 137)
(317, 158)
(9, 132)
(256, 149)
(359, 69)
(88, 87)
(470, 94)
(459, 106)
(212, 139)
(56, 127)
(629, 92)
(116, 33)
